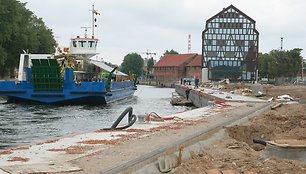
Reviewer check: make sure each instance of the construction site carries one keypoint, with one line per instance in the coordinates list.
(282, 127)
(236, 132)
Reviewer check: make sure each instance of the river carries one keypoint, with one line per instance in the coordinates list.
(23, 124)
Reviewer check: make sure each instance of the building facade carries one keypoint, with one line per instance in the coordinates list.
(172, 68)
(194, 68)
(230, 46)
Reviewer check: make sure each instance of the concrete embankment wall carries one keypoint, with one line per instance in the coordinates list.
(156, 83)
(198, 99)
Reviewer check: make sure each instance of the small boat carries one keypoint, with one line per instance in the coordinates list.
(69, 77)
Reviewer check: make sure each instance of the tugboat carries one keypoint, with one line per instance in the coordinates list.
(71, 78)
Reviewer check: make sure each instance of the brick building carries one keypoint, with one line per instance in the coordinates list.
(194, 68)
(172, 67)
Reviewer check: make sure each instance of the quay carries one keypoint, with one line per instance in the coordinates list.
(146, 147)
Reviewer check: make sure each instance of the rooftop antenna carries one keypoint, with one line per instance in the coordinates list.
(85, 30)
(189, 43)
(94, 19)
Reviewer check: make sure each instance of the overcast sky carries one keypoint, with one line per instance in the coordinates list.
(126, 26)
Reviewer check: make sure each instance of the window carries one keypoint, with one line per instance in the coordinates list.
(220, 42)
(239, 43)
(209, 42)
(74, 44)
(91, 44)
(82, 43)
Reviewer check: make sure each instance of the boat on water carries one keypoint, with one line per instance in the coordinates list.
(70, 77)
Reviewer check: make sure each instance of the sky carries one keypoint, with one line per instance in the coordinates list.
(139, 26)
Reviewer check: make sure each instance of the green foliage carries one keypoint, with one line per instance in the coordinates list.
(170, 52)
(150, 64)
(132, 63)
(279, 63)
(21, 30)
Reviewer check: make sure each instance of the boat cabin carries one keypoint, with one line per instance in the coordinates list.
(83, 46)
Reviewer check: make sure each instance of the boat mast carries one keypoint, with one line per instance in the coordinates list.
(94, 20)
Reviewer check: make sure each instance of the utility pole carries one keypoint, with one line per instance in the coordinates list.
(282, 43)
(149, 54)
(189, 43)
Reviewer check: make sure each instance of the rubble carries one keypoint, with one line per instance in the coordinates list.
(285, 98)
(238, 152)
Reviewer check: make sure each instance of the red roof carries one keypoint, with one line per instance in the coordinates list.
(174, 59)
(196, 61)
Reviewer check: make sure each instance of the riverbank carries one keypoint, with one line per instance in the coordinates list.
(156, 83)
(148, 146)
(24, 124)
(105, 150)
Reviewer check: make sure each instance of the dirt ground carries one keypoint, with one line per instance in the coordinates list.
(239, 153)
(297, 92)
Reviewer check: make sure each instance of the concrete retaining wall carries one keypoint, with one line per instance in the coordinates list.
(198, 99)
(156, 83)
(166, 157)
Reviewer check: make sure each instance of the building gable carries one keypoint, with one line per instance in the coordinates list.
(174, 60)
(230, 41)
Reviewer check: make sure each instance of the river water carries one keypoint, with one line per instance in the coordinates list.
(22, 124)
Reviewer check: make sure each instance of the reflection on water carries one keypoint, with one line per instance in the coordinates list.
(23, 124)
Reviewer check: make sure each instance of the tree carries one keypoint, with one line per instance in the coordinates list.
(21, 30)
(295, 61)
(264, 68)
(150, 65)
(279, 63)
(132, 63)
(170, 52)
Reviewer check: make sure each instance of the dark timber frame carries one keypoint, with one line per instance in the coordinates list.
(230, 46)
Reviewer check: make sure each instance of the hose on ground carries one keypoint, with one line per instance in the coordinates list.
(156, 117)
(262, 142)
(131, 120)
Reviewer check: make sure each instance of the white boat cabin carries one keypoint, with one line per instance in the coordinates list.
(83, 46)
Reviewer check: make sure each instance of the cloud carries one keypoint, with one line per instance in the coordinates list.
(157, 25)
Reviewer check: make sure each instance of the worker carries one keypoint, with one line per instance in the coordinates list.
(187, 93)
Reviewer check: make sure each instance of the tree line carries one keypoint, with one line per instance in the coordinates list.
(276, 63)
(21, 30)
(280, 63)
(133, 63)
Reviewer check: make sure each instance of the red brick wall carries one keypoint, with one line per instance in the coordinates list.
(194, 71)
(165, 73)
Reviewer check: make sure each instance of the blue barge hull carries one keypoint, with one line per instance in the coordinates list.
(71, 93)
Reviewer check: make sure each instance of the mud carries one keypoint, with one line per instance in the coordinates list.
(238, 152)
